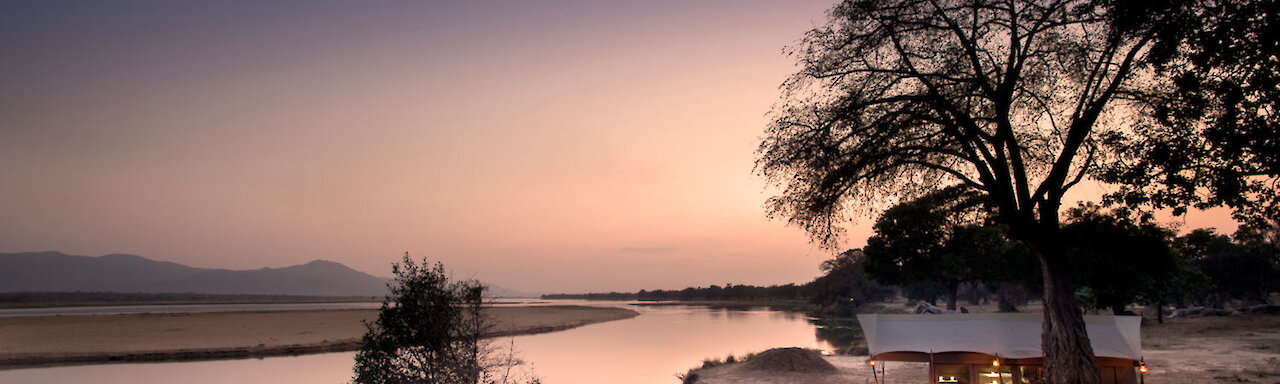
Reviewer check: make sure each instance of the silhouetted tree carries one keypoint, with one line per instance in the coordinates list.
(843, 286)
(429, 330)
(1207, 138)
(1247, 271)
(937, 240)
(897, 97)
(913, 243)
(997, 263)
(1119, 259)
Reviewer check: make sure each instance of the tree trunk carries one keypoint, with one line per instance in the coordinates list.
(1005, 295)
(953, 288)
(1068, 355)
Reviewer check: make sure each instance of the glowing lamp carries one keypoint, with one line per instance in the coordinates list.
(871, 362)
(1142, 368)
(996, 362)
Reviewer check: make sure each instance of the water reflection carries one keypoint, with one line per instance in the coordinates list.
(661, 342)
(650, 348)
(844, 334)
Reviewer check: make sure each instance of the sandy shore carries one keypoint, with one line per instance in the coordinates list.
(1180, 351)
(51, 340)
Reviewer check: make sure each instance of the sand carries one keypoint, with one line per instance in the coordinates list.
(1180, 351)
(48, 340)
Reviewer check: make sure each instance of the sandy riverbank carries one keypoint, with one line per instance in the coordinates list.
(1180, 351)
(50, 340)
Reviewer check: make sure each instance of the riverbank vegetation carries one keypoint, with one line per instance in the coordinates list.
(1121, 260)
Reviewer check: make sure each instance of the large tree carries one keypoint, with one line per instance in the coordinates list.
(1010, 97)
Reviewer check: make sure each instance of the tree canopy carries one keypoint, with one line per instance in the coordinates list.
(895, 97)
(1022, 100)
(940, 238)
(1119, 259)
(1208, 136)
(1237, 270)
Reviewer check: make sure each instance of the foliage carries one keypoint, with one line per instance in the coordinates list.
(729, 292)
(429, 330)
(1239, 270)
(937, 242)
(895, 98)
(843, 286)
(926, 291)
(1207, 138)
(1119, 259)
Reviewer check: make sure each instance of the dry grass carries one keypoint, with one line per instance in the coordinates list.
(1213, 350)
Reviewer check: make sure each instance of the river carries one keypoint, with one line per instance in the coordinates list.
(651, 348)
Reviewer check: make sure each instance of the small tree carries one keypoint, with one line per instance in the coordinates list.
(429, 330)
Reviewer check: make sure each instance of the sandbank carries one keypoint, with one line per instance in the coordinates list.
(59, 340)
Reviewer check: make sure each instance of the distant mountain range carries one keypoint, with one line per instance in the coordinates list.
(58, 272)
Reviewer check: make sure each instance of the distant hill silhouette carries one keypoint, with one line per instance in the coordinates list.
(58, 272)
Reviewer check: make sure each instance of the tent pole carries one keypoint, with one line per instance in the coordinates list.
(933, 371)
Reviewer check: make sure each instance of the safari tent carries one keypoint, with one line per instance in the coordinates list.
(995, 347)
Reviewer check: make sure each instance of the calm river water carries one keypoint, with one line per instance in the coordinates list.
(651, 348)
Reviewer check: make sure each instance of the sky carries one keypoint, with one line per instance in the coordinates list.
(545, 146)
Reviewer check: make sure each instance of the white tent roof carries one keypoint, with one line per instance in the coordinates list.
(1012, 335)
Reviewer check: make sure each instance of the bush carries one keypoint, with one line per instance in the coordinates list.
(429, 330)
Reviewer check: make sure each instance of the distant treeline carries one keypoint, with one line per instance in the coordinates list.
(114, 297)
(1117, 260)
(714, 292)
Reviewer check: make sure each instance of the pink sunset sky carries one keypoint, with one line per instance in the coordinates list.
(546, 146)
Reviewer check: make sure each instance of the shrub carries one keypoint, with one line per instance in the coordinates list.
(429, 330)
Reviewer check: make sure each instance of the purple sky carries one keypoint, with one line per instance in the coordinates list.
(541, 145)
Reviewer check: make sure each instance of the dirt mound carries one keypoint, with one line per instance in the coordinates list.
(789, 360)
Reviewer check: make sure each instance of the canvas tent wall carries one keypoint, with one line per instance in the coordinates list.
(1011, 335)
(976, 339)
